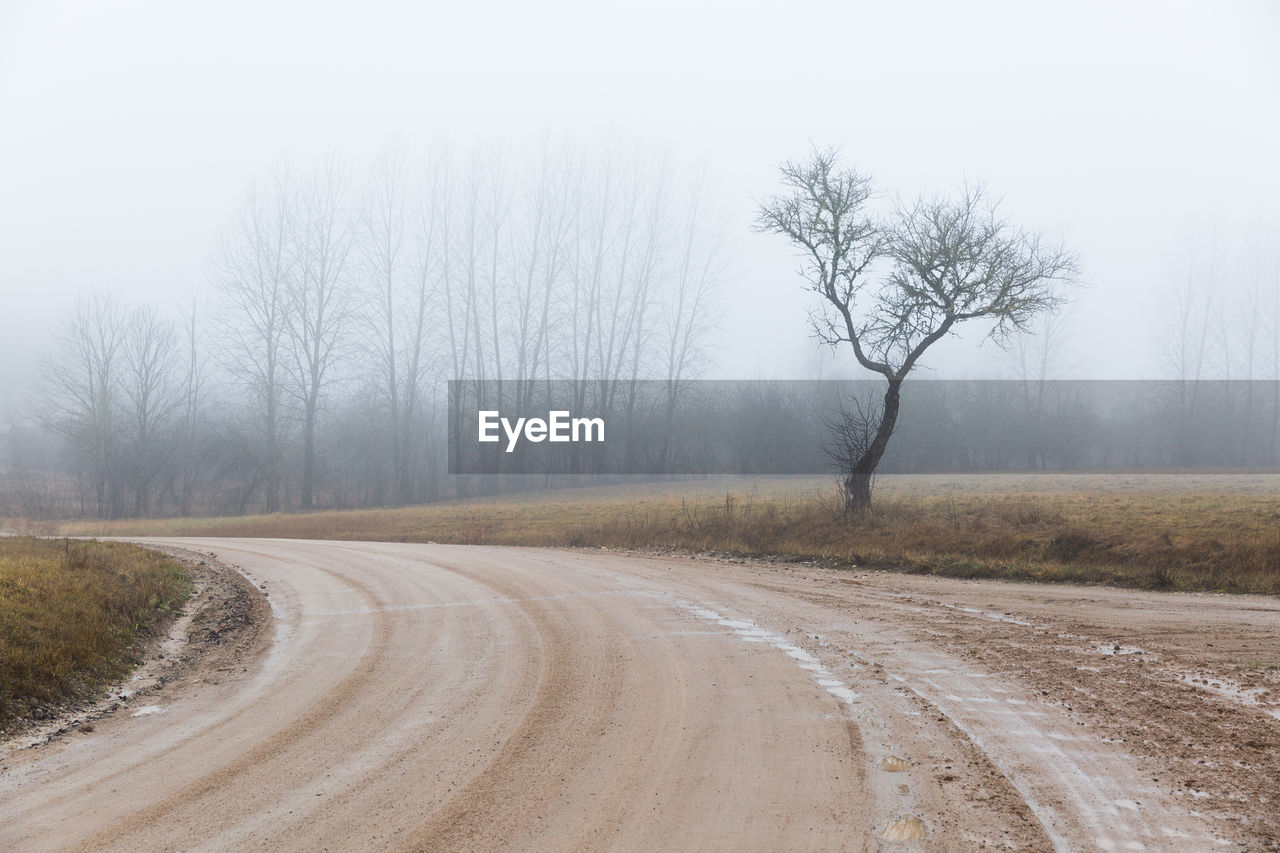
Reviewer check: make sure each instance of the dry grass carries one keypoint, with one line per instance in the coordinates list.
(71, 613)
(1161, 531)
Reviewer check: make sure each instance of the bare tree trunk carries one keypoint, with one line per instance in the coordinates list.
(273, 453)
(307, 498)
(192, 384)
(858, 481)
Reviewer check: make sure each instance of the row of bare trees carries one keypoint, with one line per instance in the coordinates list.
(341, 301)
(1220, 319)
(124, 400)
(342, 298)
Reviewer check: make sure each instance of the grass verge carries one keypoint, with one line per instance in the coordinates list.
(72, 615)
(1194, 532)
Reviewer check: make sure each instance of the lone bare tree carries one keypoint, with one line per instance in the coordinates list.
(890, 290)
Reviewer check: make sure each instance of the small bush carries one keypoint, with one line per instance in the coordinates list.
(1068, 546)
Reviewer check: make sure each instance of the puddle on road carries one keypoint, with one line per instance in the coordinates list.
(894, 764)
(1230, 690)
(147, 711)
(905, 828)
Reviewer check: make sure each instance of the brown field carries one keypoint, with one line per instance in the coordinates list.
(1188, 531)
(71, 613)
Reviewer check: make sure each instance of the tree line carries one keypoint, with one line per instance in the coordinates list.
(341, 300)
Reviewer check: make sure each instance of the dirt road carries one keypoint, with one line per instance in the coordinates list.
(467, 698)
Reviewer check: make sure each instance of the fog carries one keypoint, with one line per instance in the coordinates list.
(1131, 132)
(1142, 137)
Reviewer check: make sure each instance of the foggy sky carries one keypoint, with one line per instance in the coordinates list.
(129, 132)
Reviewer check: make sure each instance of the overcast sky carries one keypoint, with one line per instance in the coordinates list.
(130, 131)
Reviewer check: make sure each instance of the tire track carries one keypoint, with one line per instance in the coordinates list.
(292, 736)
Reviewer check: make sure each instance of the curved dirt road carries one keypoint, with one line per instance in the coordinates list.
(467, 698)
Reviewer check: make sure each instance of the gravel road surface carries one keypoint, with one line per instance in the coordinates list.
(430, 697)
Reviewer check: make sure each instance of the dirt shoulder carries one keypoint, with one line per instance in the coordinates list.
(222, 628)
(1188, 683)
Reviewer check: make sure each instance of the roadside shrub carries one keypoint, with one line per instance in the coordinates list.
(1068, 546)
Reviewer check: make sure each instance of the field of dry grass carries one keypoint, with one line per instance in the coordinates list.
(1162, 531)
(71, 614)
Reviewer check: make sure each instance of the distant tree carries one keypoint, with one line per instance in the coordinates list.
(191, 414)
(80, 389)
(152, 394)
(1250, 331)
(319, 301)
(690, 304)
(397, 235)
(252, 271)
(1268, 271)
(945, 262)
(1191, 338)
(1035, 356)
(540, 245)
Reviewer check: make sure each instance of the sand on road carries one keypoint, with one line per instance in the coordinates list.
(425, 697)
